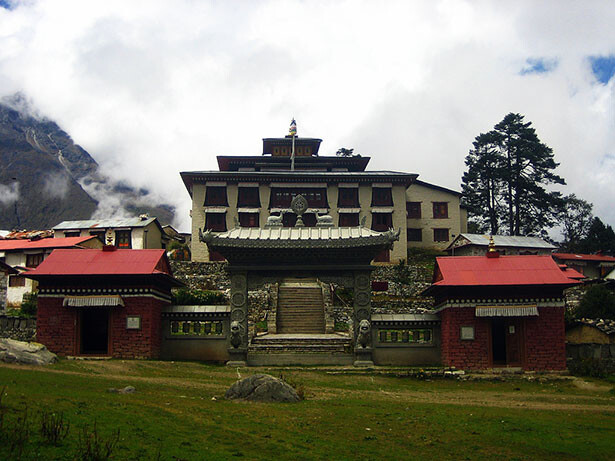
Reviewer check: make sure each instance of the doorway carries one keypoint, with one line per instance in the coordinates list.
(95, 331)
(506, 342)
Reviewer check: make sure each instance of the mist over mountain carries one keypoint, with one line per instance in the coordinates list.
(46, 178)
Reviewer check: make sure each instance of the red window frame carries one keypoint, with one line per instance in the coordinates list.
(248, 197)
(382, 196)
(440, 210)
(215, 196)
(414, 210)
(215, 222)
(349, 219)
(248, 219)
(440, 235)
(382, 222)
(348, 197)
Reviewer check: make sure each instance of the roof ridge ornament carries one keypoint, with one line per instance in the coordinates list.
(299, 205)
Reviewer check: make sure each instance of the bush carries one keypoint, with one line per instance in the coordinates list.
(186, 297)
(598, 302)
(29, 304)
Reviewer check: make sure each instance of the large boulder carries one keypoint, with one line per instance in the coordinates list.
(12, 351)
(262, 388)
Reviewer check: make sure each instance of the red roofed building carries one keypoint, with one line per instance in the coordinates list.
(591, 266)
(502, 311)
(103, 302)
(24, 254)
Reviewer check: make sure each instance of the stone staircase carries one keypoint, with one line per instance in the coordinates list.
(300, 349)
(300, 307)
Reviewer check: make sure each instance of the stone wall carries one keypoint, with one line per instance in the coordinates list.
(17, 328)
(3, 287)
(201, 275)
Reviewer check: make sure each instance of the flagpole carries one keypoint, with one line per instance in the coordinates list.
(292, 156)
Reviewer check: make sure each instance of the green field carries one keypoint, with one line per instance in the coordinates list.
(178, 412)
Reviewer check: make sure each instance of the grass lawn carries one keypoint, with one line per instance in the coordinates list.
(178, 413)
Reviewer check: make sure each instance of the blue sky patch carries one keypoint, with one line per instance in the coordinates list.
(6, 4)
(538, 66)
(603, 67)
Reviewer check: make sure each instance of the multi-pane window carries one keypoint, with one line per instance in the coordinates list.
(349, 219)
(72, 233)
(414, 235)
(440, 210)
(440, 235)
(34, 260)
(406, 335)
(17, 281)
(382, 222)
(123, 239)
(215, 222)
(248, 219)
(414, 210)
(248, 197)
(316, 197)
(382, 196)
(100, 235)
(348, 197)
(215, 196)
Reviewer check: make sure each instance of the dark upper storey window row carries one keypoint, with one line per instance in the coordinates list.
(348, 197)
(382, 196)
(248, 197)
(215, 196)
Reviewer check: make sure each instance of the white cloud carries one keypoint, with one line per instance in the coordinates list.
(55, 185)
(9, 193)
(154, 88)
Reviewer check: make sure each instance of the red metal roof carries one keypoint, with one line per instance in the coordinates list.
(583, 257)
(100, 262)
(67, 242)
(504, 270)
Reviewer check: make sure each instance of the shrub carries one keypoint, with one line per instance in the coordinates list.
(186, 297)
(598, 302)
(29, 304)
(92, 447)
(54, 428)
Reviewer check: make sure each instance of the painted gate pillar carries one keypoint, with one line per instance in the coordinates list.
(238, 336)
(362, 320)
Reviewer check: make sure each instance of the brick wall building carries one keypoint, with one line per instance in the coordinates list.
(103, 302)
(502, 311)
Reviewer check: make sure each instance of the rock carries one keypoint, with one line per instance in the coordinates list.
(124, 390)
(28, 353)
(262, 388)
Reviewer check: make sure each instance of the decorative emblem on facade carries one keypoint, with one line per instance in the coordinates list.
(362, 314)
(238, 282)
(238, 299)
(299, 205)
(238, 315)
(362, 281)
(361, 298)
(364, 333)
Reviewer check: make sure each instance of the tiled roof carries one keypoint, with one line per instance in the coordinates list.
(605, 325)
(67, 242)
(503, 241)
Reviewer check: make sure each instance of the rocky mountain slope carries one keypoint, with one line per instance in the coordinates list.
(46, 178)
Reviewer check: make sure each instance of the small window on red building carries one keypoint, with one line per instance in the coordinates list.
(414, 210)
(348, 197)
(415, 235)
(123, 239)
(72, 234)
(215, 222)
(215, 196)
(382, 196)
(34, 260)
(440, 235)
(349, 219)
(248, 197)
(248, 219)
(17, 281)
(382, 222)
(440, 210)
(100, 235)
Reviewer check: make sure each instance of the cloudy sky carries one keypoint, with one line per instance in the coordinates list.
(153, 88)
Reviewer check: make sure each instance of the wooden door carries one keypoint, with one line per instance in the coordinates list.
(513, 342)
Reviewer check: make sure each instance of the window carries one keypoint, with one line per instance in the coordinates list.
(349, 219)
(100, 235)
(281, 197)
(406, 335)
(348, 197)
(215, 222)
(248, 197)
(215, 196)
(123, 239)
(440, 210)
(17, 281)
(440, 235)
(248, 219)
(382, 222)
(34, 260)
(414, 210)
(382, 196)
(72, 233)
(414, 235)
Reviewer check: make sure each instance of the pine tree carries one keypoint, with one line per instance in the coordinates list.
(508, 169)
(576, 221)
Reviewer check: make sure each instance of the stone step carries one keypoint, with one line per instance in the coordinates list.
(301, 339)
(304, 349)
(289, 358)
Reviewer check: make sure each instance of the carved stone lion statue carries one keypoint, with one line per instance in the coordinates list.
(235, 334)
(274, 221)
(364, 333)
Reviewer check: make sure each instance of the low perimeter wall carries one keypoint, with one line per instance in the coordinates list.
(16, 328)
